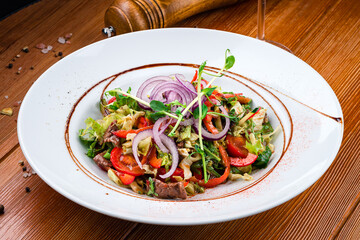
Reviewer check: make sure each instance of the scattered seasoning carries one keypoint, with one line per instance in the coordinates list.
(61, 40)
(18, 72)
(18, 55)
(33, 172)
(17, 103)
(10, 65)
(68, 35)
(20, 68)
(24, 169)
(25, 49)
(27, 189)
(68, 42)
(25, 175)
(49, 47)
(13, 59)
(6, 97)
(2, 209)
(44, 50)
(55, 55)
(21, 163)
(60, 54)
(40, 46)
(32, 67)
(7, 111)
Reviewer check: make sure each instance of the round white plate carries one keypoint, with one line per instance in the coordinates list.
(297, 98)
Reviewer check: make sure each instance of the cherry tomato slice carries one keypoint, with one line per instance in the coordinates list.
(243, 162)
(235, 146)
(125, 163)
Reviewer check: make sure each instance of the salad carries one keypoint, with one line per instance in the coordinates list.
(175, 138)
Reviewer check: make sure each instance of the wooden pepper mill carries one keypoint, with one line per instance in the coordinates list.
(133, 15)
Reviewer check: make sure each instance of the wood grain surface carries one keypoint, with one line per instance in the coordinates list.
(325, 34)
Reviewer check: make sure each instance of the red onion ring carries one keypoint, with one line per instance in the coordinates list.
(140, 136)
(189, 87)
(167, 141)
(156, 134)
(144, 89)
(209, 136)
(187, 122)
(171, 145)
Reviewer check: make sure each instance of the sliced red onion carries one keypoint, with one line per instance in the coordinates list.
(140, 136)
(156, 133)
(145, 88)
(163, 128)
(175, 87)
(170, 144)
(187, 122)
(182, 82)
(209, 136)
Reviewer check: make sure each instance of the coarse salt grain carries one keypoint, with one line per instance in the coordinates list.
(19, 69)
(49, 47)
(61, 40)
(6, 97)
(33, 172)
(25, 175)
(45, 50)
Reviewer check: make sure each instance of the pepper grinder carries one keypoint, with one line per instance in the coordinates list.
(125, 16)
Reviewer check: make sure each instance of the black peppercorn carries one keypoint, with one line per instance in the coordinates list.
(60, 54)
(25, 49)
(10, 65)
(2, 209)
(27, 189)
(24, 169)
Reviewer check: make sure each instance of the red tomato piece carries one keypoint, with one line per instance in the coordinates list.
(143, 122)
(235, 146)
(243, 162)
(125, 163)
(126, 179)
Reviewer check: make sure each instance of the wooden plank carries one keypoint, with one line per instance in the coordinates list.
(315, 213)
(323, 33)
(44, 212)
(350, 229)
(42, 22)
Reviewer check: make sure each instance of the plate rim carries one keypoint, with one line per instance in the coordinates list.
(145, 219)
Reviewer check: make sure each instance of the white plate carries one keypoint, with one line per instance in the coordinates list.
(297, 97)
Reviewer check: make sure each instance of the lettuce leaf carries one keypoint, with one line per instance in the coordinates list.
(254, 148)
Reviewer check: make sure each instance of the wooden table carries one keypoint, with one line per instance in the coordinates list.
(325, 34)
